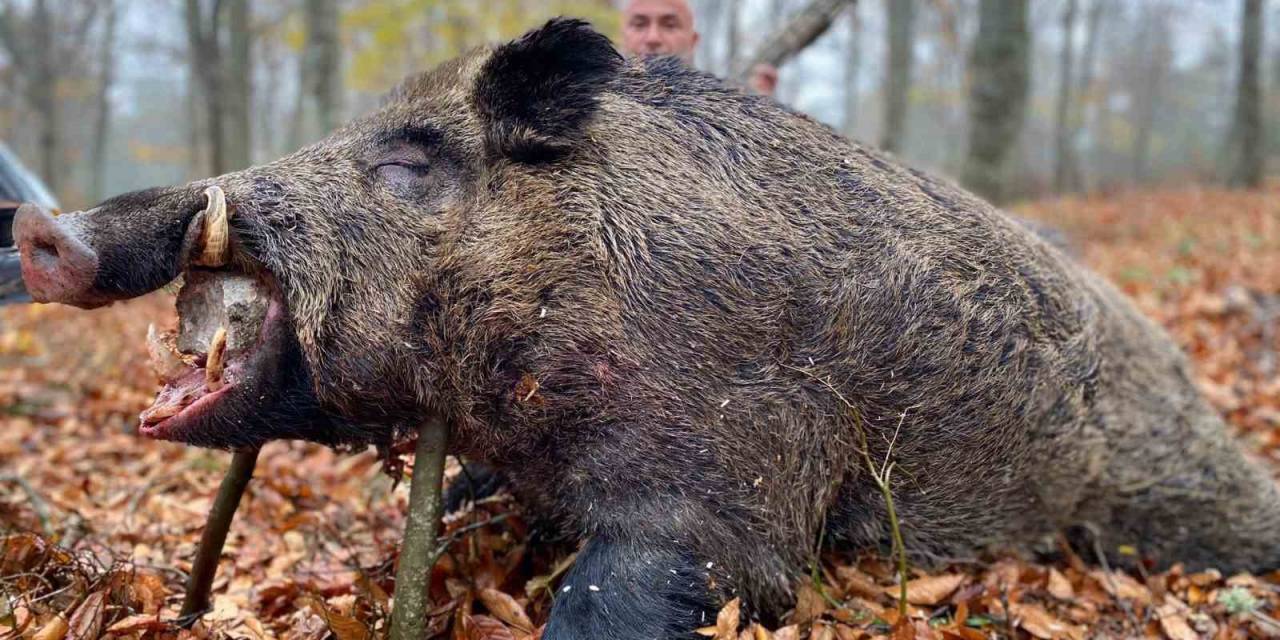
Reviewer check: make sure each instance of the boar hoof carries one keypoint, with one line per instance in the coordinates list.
(629, 590)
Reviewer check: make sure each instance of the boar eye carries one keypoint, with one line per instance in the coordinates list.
(403, 176)
(402, 168)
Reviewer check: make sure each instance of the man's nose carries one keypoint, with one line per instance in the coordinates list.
(653, 35)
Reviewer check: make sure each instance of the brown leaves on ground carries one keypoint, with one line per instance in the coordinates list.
(101, 525)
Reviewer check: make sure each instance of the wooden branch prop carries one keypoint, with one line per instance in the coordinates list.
(805, 27)
(196, 601)
(421, 545)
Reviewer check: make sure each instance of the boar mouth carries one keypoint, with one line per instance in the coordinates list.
(226, 346)
(225, 354)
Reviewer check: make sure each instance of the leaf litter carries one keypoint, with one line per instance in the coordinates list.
(98, 526)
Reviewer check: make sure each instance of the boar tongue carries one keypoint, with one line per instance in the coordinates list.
(174, 397)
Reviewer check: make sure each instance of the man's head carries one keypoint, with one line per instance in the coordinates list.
(662, 27)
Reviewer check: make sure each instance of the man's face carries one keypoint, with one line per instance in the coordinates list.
(663, 27)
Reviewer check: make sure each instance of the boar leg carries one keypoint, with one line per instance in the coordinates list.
(629, 589)
(477, 482)
(196, 600)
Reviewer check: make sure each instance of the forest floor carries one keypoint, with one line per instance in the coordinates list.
(98, 525)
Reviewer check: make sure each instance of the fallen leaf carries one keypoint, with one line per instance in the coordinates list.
(136, 623)
(505, 608)
(1041, 624)
(86, 622)
(822, 632)
(903, 629)
(342, 626)
(809, 605)
(1059, 586)
(486, 628)
(789, 632)
(857, 583)
(147, 592)
(930, 590)
(1120, 585)
(55, 629)
(728, 619)
(848, 633)
(1174, 624)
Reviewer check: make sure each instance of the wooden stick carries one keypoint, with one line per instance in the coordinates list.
(420, 546)
(196, 601)
(804, 27)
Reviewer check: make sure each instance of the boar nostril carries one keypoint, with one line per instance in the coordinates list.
(45, 254)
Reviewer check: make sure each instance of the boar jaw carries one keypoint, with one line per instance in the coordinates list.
(226, 322)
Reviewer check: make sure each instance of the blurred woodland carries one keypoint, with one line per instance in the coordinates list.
(1017, 99)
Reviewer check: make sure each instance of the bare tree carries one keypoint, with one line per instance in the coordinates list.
(1063, 153)
(902, 16)
(46, 42)
(804, 26)
(1245, 142)
(238, 71)
(998, 94)
(102, 119)
(222, 78)
(320, 96)
(1084, 85)
(1154, 48)
(27, 40)
(852, 70)
(733, 35)
(206, 81)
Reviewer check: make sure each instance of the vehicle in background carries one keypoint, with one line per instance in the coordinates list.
(17, 185)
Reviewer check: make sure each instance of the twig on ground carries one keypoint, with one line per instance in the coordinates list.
(881, 476)
(221, 513)
(38, 503)
(420, 546)
(1096, 538)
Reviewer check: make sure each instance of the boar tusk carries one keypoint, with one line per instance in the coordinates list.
(214, 238)
(214, 362)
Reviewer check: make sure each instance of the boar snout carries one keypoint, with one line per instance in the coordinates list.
(57, 265)
(125, 247)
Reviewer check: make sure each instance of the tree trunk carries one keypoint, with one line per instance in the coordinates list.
(852, 70)
(1154, 47)
(1084, 85)
(319, 101)
(898, 82)
(44, 90)
(1063, 153)
(799, 32)
(1247, 135)
(202, 42)
(102, 121)
(998, 93)
(238, 76)
(733, 33)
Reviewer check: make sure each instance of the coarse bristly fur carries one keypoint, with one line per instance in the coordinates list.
(664, 309)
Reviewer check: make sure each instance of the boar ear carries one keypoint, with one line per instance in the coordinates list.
(536, 93)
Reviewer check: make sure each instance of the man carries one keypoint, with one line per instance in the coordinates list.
(665, 27)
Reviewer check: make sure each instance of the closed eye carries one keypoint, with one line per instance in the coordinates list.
(417, 167)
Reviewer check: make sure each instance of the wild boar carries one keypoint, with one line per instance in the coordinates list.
(673, 314)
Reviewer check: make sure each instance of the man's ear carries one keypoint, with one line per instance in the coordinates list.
(537, 93)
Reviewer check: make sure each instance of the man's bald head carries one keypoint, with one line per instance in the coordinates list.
(661, 27)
